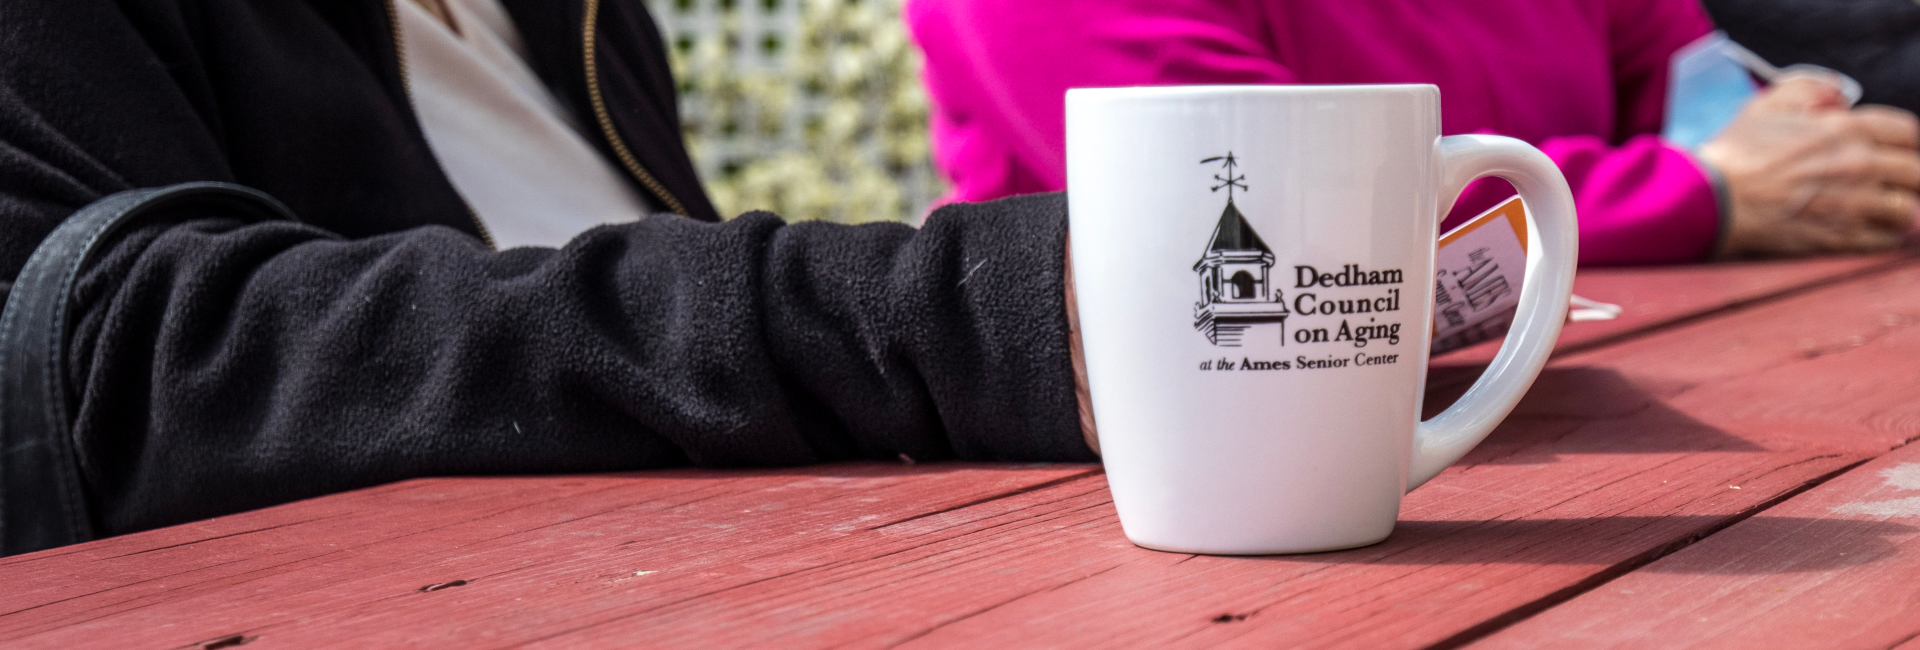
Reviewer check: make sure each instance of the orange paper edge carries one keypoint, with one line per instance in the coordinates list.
(1513, 209)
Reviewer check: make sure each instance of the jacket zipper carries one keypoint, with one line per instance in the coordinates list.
(400, 60)
(600, 115)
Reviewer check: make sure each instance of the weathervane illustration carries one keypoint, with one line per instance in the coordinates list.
(1236, 292)
(1229, 181)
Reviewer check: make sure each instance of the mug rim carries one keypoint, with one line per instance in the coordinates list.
(1218, 90)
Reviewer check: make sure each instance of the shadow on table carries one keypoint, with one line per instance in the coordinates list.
(1587, 410)
(1596, 540)
(848, 469)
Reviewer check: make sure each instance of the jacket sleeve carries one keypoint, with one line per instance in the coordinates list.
(999, 126)
(1640, 199)
(221, 365)
(210, 360)
(1661, 206)
(1640, 202)
(1875, 41)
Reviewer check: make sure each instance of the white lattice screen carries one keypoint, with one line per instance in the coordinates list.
(810, 108)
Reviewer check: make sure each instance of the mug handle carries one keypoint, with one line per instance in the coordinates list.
(1552, 249)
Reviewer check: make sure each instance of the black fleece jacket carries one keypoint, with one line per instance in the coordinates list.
(1875, 41)
(210, 361)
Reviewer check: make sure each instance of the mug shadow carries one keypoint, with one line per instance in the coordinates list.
(834, 469)
(1595, 540)
(1583, 410)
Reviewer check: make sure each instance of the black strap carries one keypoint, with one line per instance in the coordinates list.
(42, 503)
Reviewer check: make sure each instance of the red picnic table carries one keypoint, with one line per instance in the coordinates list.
(1724, 466)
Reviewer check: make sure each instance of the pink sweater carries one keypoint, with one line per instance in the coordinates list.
(1584, 80)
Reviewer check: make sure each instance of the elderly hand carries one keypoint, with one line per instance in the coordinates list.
(1805, 175)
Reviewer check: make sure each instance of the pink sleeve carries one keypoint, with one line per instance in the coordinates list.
(998, 72)
(1650, 202)
(1645, 34)
(1642, 202)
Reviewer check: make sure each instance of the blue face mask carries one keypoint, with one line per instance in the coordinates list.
(1707, 86)
(1711, 79)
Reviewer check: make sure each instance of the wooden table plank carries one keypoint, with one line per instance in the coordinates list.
(1573, 492)
(1836, 567)
(1058, 573)
(434, 531)
(1506, 533)
(1653, 297)
(271, 534)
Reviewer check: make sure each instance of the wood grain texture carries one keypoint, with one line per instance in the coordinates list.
(1621, 454)
(1625, 454)
(1652, 297)
(1837, 567)
(366, 554)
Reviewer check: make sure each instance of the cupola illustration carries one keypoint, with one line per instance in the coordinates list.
(1236, 287)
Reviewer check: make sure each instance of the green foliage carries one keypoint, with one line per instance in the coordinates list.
(812, 109)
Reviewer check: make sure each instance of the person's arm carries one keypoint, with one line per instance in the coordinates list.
(221, 366)
(1640, 199)
(1797, 172)
(1807, 175)
(215, 362)
(1640, 202)
(998, 72)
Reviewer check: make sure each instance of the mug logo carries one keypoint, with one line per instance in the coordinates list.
(1236, 287)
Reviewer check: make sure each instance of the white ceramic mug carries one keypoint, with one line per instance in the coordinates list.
(1254, 267)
